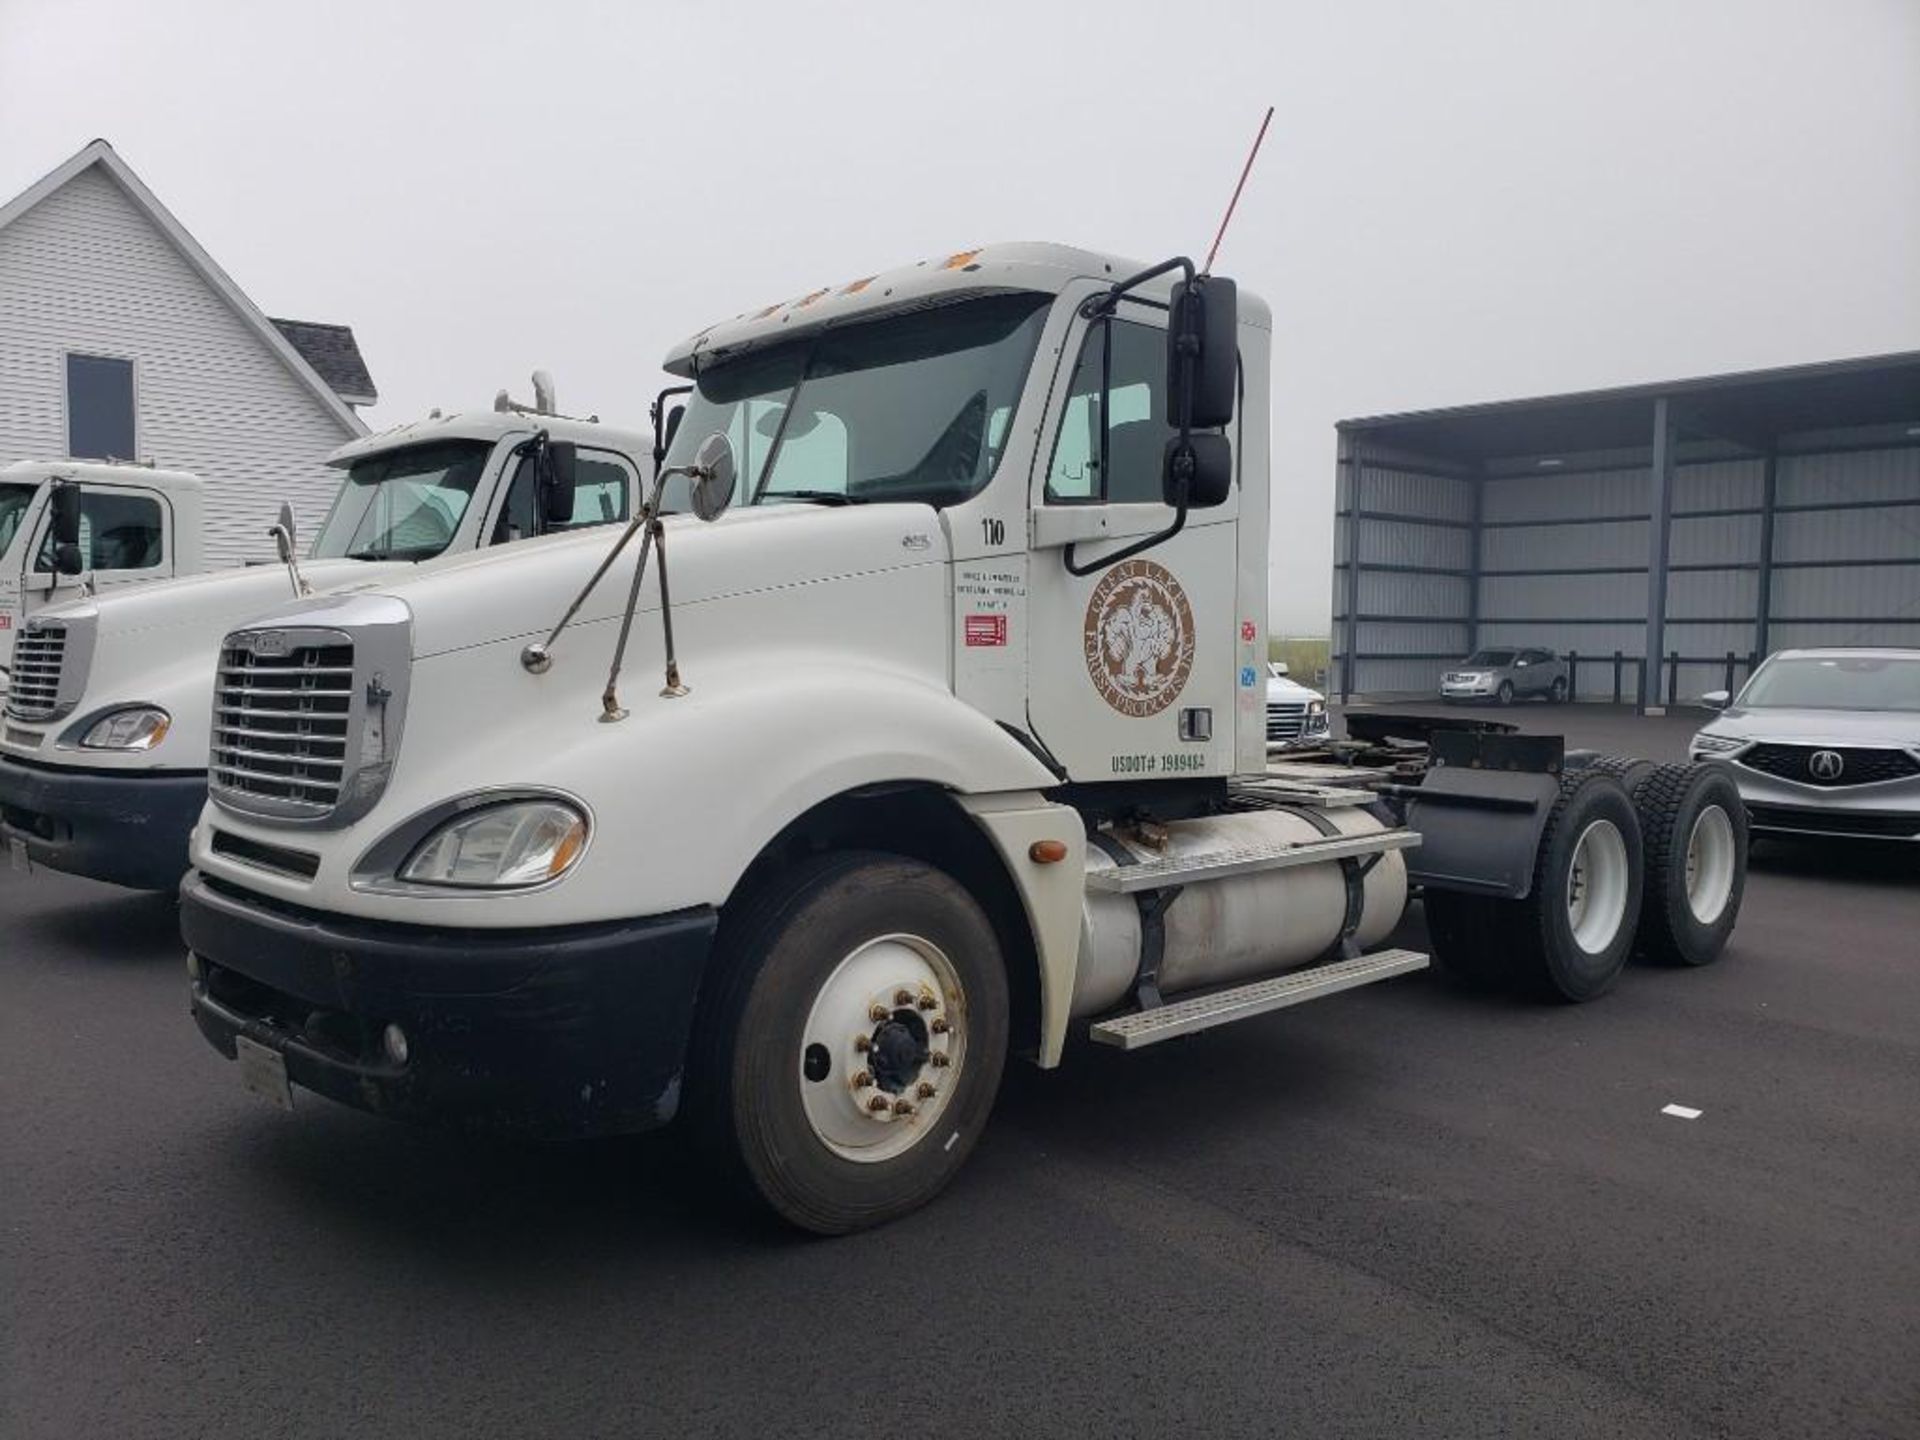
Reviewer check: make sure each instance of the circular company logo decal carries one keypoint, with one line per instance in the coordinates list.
(1139, 638)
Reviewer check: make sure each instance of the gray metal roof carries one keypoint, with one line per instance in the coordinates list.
(335, 356)
(1751, 410)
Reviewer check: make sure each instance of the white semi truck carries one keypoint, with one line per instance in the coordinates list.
(129, 524)
(104, 745)
(944, 741)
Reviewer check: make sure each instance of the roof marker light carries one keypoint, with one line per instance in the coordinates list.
(960, 260)
(807, 300)
(857, 286)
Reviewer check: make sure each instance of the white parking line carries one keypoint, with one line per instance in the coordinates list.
(1681, 1112)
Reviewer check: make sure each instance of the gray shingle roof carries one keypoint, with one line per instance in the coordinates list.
(335, 356)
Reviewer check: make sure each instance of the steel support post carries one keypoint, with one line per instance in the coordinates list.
(1659, 533)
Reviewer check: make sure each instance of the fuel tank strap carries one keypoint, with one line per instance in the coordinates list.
(1153, 906)
(1353, 869)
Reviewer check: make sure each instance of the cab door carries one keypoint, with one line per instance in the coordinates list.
(1132, 666)
(123, 541)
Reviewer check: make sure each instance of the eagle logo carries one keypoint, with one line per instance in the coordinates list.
(1139, 638)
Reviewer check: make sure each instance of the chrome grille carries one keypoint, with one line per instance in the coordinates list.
(1286, 720)
(281, 723)
(39, 657)
(1857, 765)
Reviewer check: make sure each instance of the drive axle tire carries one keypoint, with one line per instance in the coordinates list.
(1572, 933)
(1695, 828)
(851, 1047)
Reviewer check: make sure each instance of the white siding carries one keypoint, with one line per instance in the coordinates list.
(86, 270)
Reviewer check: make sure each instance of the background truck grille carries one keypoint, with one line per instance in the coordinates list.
(1859, 765)
(1286, 720)
(280, 724)
(39, 655)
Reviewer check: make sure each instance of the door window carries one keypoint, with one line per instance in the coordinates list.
(599, 498)
(1119, 382)
(117, 532)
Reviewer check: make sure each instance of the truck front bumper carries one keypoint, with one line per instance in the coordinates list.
(573, 1031)
(126, 828)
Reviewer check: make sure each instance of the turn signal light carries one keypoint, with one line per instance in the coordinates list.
(1047, 852)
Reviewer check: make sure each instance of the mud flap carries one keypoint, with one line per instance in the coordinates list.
(1480, 812)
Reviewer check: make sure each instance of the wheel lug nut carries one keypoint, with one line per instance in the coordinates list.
(878, 1012)
(928, 1002)
(925, 1091)
(939, 1060)
(903, 997)
(879, 1105)
(862, 1080)
(939, 1027)
(862, 1043)
(903, 1107)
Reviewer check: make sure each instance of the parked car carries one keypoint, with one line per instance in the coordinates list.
(1295, 714)
(1504, 676)
(1824, 742)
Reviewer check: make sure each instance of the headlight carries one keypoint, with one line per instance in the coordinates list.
(139, 729)
(524, 842)
(1706, 744)
(1316, 707)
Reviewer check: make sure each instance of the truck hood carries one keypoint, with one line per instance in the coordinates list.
(522, 590)
(1282, 691)
(222, 598)
(1819, 727)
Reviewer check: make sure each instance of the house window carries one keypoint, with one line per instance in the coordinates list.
(99, 408)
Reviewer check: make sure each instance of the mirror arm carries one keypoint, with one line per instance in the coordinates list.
(658, 410)
(1179, 524)
(1104, 302)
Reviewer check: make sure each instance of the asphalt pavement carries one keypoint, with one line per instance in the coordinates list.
(1402, 1211)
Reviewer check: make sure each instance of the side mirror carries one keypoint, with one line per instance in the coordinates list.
(67, 558)
(1716, 699)
(283, 534)
(63, 508)
(712, 473)
(1197, 471)
(559, 481)
(1203, 358)
(672, 428)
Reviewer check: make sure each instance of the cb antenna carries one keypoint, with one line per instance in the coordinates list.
(1245, 170)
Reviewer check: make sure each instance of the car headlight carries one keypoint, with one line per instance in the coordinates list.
(1706, 744)
(1316, 707)
(141, 728)
(525, 842)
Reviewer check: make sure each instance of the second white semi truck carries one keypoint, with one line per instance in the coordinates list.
(935, 732)
(104, 741)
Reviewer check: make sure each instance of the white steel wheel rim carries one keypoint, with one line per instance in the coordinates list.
(1597, 887)
(890, 1022)
(1710, 857)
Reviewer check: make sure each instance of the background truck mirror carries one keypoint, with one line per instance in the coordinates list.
(674, 417)
(1206, 480)
(1202, 353)
(67, 558)
(63, 506)
(559, 481)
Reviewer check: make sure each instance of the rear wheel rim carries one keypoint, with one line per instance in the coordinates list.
(883, 1050)
(1710, 864)
(1597, 887)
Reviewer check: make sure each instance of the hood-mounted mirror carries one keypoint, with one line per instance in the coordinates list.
(713, 475)
(286, 546)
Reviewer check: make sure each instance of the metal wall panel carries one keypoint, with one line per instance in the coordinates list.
(1565, 547)
(1398, 637)
(1716, 540)
(1862, 475)
(1384, 542)
(1401, 492)
(1521, 597)
(1872, 591)
(1573, 497)
(1387, 592)
(1841, 535)
(1719, 485)
(1787, 637)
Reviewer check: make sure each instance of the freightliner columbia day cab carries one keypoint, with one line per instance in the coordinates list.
(946, 740)
(130, 524)
(104, 744)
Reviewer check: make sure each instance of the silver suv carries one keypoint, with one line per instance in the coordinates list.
(1825, 742)
(1504, 676)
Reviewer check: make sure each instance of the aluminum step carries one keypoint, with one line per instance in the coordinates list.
(1218, 864)
(1243, 1002)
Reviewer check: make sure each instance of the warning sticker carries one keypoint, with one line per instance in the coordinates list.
(986, 630)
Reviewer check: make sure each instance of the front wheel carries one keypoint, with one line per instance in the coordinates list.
(1557, 694)
(1504, 695)
(852, 1047)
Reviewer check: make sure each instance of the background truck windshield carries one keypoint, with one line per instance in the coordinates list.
(913, 407)
(404, 504)
(14, 500)
(1837, 682)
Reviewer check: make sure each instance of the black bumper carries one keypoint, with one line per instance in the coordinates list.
(573, 1031)
(125, 828)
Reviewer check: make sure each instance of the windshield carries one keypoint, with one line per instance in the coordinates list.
(403, 504)
(14, 500)
(1836, 682)
(1493, 659)
(913, 407)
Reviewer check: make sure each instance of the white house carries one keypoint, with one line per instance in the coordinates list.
(121, 338)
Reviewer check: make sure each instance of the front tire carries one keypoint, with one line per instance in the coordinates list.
(1557, 692)
(1504, 695)
(833, 1099)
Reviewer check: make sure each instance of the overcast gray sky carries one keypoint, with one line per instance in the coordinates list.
(1457, 202)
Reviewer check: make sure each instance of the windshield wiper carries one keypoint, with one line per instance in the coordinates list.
(814, 497)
